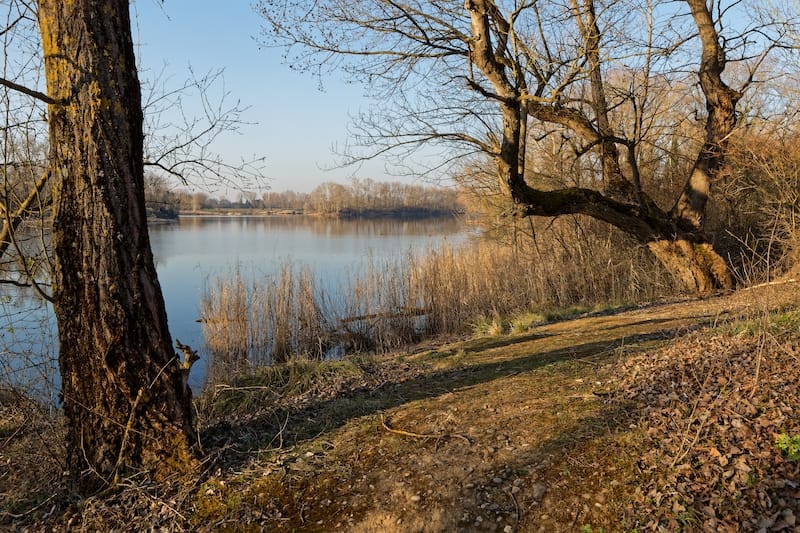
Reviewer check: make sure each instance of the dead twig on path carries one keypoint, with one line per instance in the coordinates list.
(422, 435)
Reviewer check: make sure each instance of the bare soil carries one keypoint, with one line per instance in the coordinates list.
(659, 418)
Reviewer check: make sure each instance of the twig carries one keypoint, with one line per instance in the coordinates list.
(279, 436)
(516, 508)
(422, 435)
(222, 387)
(125, 435)
(759, 356)
(29, 511)
(30, 92)
(11, 437)
(684, 451)
(767, 284)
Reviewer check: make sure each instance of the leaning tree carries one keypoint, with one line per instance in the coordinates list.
(495, 77)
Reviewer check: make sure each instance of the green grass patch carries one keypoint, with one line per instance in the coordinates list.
(491, 326)
(781, 323)
(523, 322)
(789, 446)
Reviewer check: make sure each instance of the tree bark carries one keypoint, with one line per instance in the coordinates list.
(721, 100)
(615, 184)
(695, 265)
(124, 390)
(687, 255)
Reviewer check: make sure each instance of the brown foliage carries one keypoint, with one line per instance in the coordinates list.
(713, 407)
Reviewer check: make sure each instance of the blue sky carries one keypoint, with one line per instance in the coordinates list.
(297, 124)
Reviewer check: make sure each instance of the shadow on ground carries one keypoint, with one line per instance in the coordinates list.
(286, 428)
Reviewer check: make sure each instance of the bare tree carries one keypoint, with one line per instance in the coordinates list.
(24, 180)
(499, 77)
(180, 144)
(178, 150)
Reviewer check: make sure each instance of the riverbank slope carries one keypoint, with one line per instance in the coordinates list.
(680, 415)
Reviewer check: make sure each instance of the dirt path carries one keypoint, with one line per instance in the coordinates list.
(508, 433)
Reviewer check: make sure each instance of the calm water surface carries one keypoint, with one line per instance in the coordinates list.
(194, 250)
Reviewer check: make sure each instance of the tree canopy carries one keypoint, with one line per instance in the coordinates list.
(498, 80)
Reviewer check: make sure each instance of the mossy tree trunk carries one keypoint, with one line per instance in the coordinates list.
(124, 390)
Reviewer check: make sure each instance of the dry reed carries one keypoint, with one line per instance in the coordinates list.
(250, 322)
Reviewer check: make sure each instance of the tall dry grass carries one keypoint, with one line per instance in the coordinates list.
(249, 321)
(253, 321)
(760, 212)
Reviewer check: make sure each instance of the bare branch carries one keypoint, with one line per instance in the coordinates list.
(30, 92)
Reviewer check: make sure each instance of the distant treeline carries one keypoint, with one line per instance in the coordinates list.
(365, 198)
(376, 198)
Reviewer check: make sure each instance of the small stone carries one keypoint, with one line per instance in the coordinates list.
(515, 489)
(497, 480)
(538, 491)
(415, 498)
(508, 529)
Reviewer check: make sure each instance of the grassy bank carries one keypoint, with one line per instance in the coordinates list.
(669, 417)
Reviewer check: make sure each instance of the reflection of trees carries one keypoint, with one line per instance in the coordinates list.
(378, 227)
(322, 226)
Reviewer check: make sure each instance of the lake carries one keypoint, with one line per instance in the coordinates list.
(195, 249)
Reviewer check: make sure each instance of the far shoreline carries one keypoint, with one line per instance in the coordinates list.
(345, 214)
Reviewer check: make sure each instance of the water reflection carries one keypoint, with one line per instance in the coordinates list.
(194, 249)
(319, 226)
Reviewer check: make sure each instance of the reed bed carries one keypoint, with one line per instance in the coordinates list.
(251, 321)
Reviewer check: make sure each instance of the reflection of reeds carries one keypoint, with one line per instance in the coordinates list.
(388, 304)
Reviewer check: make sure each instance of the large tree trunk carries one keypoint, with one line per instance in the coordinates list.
(694, 265)
(124, 390)
(688, 256)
